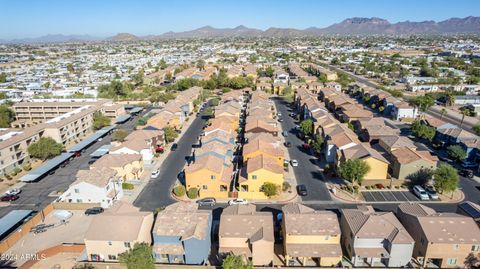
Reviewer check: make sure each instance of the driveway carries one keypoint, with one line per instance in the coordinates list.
(307, 172)
(157, 192)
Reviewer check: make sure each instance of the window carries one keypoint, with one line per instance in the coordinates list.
(79, 200)
(112, 257)
(126, 244)
(455, 247)
(109, 243)
(422, 241)
(223, 188)
(77, 191)
(254, 176)
(212, 177)
(452, 261)
(205, 187)
(476, 248)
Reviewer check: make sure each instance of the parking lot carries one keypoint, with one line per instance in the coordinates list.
(389, 196)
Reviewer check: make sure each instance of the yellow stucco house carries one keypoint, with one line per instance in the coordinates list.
(128, 166)
(310, 237)
(259, 170)
(211, 175)
(260, 146)
(377, 163)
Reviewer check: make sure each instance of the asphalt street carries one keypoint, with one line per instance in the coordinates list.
(308, 171)
(36, 195)
(157, 192)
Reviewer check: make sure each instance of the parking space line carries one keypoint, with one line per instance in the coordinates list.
(406, 198)
(384, 198)
(394, 197)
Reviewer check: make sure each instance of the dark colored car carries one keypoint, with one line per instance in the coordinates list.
(174, 146)
(302, 190)
(92, 161)
(288, 144)
(93, 211)
(8, 198)
(207, 202)
(466, 173)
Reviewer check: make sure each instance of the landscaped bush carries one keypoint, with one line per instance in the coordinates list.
(17, 170)
(27, 167)
(179, 191)
(286, 186)
(127, 186)
(192, 193)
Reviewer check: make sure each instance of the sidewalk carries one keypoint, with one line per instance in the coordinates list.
(131, 195)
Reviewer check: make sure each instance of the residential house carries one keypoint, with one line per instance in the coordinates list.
(144, 142)
(390, 143)
(377, 163)
(181, 234)
(310, 237)
(260, 146)
(375, 239)
(258, 171)
(406, 162)
(442, 240)
(248, 233)
(211, 175)
(100, 186)
(128, 166)
(116, 231)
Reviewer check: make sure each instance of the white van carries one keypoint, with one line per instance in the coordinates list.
(421, 193)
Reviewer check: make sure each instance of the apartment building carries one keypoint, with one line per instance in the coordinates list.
(34, 112)
(66, 129)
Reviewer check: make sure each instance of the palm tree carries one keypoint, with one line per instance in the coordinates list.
(465, 112)
(450, 98)
(443, 111)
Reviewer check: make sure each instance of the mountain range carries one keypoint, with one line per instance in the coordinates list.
(350, 26)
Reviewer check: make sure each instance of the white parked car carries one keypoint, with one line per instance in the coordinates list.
(14, 191)
(155, 173)
(421, 193)
(279, 114)
(238, 201)
(294, 163)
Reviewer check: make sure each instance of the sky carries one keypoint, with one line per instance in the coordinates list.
(103, 18)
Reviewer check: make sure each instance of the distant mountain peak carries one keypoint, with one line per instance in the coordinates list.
(123, 37)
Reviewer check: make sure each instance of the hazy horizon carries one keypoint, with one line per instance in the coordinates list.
(31, 19)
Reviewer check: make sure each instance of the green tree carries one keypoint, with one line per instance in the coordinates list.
(114, 90)
(354, 170)
(45, 148)
(3, 78)
(138, 77)
(318, 144)
(208, 112)
(446, 178)
(100, 120)
(192, 193)
(476, 129)
(119, 135)
(3, 95)
(456, 152)
(179, 190)
(423, 131)
(270, 189)
(443, 112)
(170, 134)
(306, 127)
(465, 112)
(138, 257)
(70, 68)
(423, 102)
(7, 116)
(236, 262)
(200, 64)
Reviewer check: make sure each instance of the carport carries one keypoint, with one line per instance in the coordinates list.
(122, 118)
(48, 166)
(92, 139)
(12, 220)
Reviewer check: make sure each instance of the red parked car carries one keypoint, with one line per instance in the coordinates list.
(306, 146)
(8, 198)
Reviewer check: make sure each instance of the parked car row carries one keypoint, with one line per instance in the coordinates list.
(425, 193)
